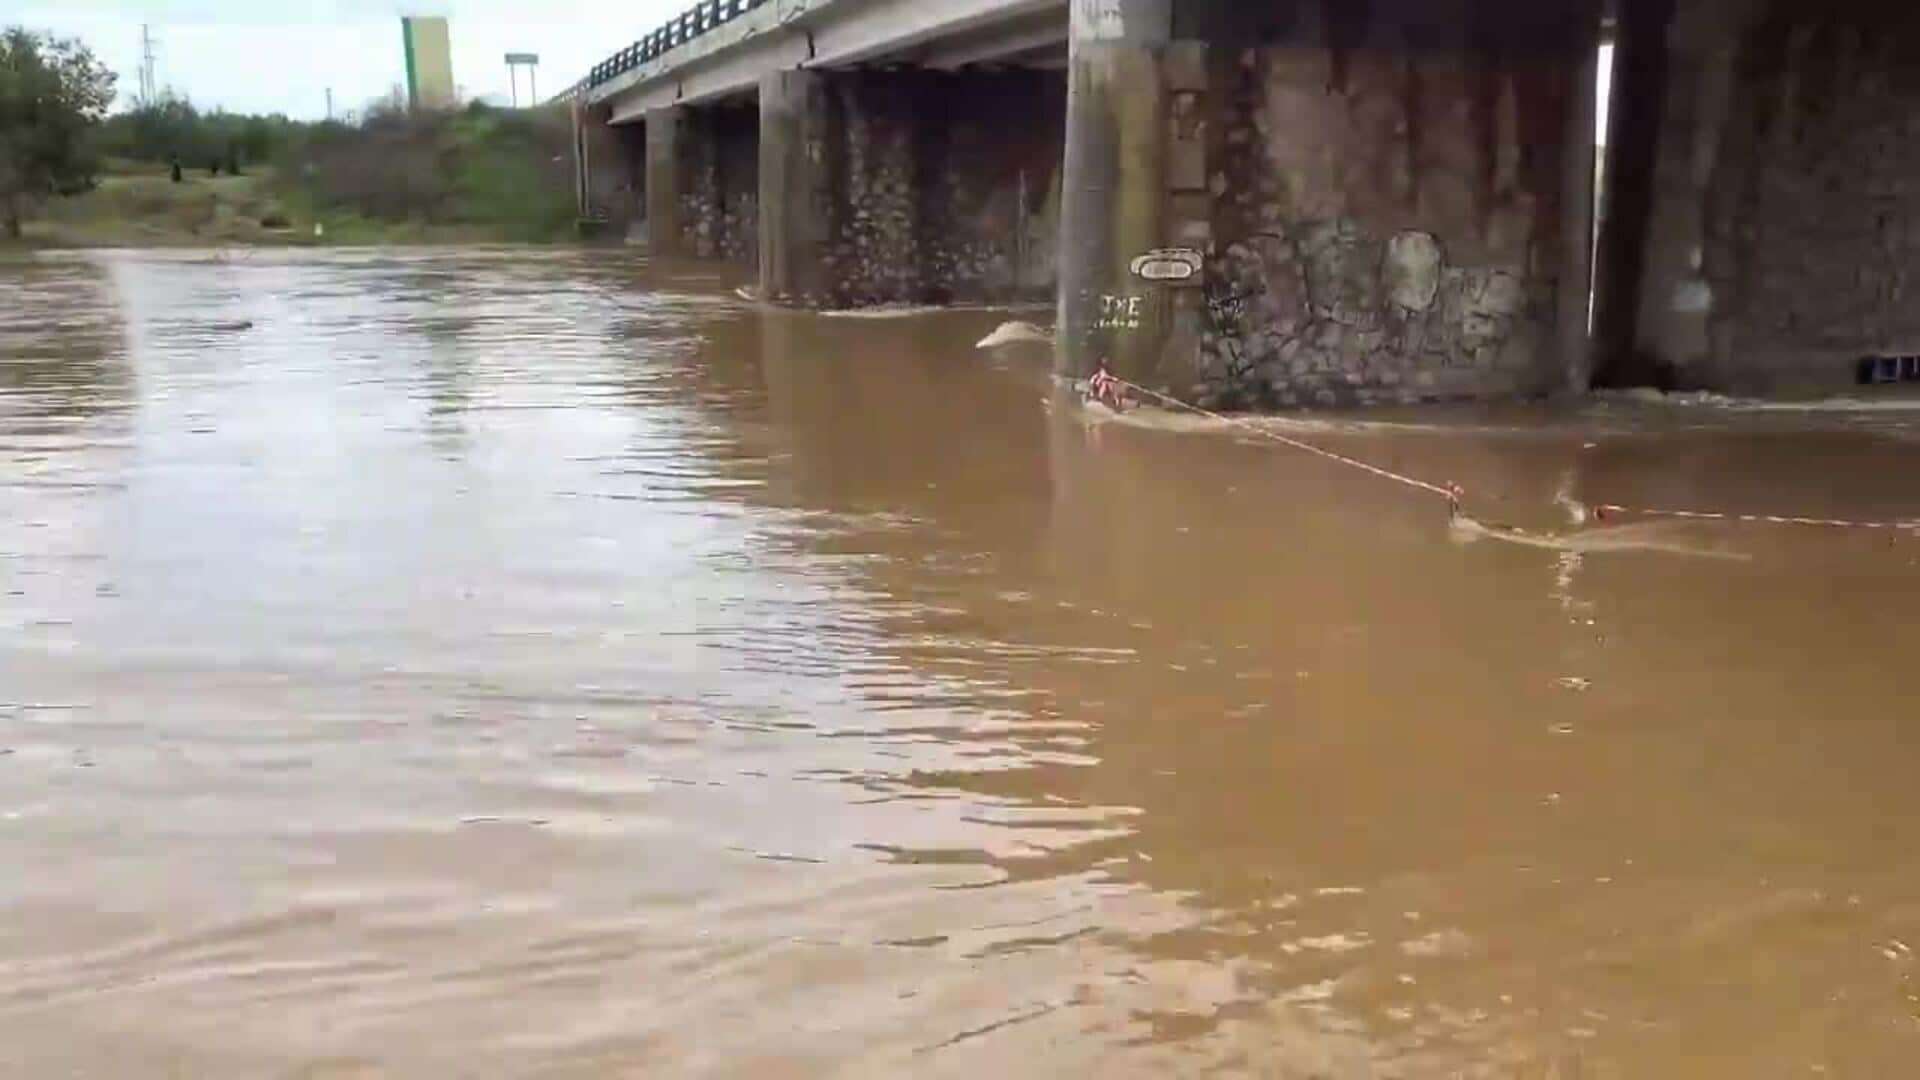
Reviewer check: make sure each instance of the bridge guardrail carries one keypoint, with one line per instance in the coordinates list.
(700, 19)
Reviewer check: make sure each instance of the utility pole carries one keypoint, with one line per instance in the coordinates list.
(329, 104)
(147, 88)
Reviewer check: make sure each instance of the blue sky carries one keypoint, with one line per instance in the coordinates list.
(282, 55)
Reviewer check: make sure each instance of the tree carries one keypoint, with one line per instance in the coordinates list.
(52, 93)
(161, 129)
(257, 138)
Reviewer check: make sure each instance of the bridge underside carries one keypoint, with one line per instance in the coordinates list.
(1385, 202)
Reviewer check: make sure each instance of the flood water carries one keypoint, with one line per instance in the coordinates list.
(508, 663)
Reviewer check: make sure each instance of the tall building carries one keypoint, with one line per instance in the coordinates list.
(429, 62)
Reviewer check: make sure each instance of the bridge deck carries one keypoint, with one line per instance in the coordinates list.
(733, 43)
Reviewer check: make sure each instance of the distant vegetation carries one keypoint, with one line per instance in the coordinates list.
(474, 174)
(171, 126)
(52, 96)
(480, 167)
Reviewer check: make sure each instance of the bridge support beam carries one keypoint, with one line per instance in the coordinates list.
(669, 152)
(1119, 194)
(796, 197)
(1375, 195)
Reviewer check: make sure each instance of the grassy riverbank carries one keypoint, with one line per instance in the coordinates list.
(474, 176)
(142, 207)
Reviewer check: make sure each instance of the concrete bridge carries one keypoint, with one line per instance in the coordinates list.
(1300, 202)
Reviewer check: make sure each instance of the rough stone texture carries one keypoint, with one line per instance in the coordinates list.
(875, 256)
(1377, 187)
(720, 202)
(1386, 205)
(934, 195)
(1783, 240)
(990, 205)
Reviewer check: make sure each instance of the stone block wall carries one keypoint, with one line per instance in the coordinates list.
(990, 207)
(1380, 199)
(720, 195)
(944, 186)
(874, 255)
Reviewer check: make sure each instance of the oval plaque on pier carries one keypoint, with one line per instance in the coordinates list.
(1168, 264)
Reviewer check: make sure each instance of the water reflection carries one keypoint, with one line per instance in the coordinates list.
(62, 352)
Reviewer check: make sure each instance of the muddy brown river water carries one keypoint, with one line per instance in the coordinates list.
(543, 664)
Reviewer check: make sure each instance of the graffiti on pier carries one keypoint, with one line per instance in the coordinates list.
(1119, 313)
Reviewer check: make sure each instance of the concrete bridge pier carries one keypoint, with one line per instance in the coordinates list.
(1387, 202)
(1118, 201)
(796, 200)
(669, 142)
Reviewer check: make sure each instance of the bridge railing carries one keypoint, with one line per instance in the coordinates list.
(701, 18)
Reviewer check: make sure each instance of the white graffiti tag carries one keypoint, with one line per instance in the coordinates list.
(1119, 313)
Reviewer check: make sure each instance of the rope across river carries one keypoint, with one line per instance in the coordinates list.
(1110, 389)
(1103, 382)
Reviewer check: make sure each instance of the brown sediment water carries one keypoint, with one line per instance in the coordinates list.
(520, 663)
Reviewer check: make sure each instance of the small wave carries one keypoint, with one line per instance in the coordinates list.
(1653, 537)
